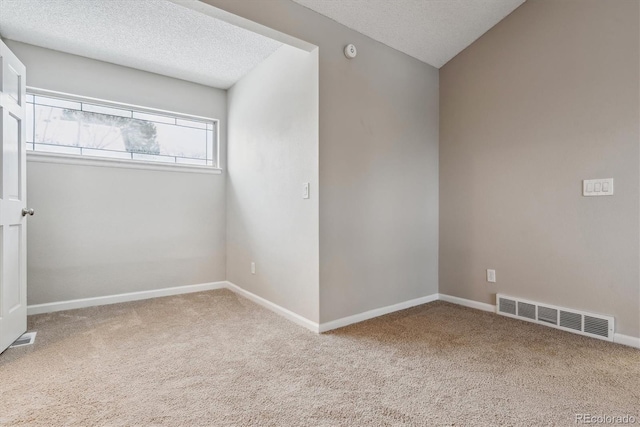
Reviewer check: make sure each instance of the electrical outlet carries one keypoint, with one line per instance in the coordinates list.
(491, 276)
(253, 267)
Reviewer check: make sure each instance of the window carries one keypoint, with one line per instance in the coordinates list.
(86, 127)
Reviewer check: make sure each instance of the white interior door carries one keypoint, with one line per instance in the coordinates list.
(13, 229)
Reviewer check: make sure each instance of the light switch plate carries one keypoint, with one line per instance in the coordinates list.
(597, 187)
(305, 190)
(491, 276)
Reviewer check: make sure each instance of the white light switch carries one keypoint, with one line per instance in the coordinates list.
(305, 190)
(597, 187)
(491, 276)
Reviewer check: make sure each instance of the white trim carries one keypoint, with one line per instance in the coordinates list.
(356, 318)
(294, 317)
(626, 340)
(70, 159)
(288, 314)
(467, 303)
(113, 299)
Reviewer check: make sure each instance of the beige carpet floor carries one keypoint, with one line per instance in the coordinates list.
(216, 359)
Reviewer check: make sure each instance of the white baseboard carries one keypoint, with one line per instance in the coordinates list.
(288, 314)
(113, 299)
(349, 320)
(467, 303)
(626, 340)
(334, 324)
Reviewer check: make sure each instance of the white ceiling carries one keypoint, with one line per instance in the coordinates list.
(151, 35)
(433, 31)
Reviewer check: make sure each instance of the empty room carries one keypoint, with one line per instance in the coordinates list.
(319, 212)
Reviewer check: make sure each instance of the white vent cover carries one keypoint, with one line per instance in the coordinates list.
(578, 322)
(26, 339)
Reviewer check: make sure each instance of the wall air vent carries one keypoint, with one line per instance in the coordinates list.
(507, 306)
(547, 314)
(571, 320)
(596, 326)
(526, 310)
(578, 322)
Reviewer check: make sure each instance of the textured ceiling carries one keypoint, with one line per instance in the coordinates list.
(433, 31)
(151, 35)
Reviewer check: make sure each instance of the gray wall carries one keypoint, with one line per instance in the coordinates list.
(103, 231)
(378, 163)
(272, 151)
(545, 99)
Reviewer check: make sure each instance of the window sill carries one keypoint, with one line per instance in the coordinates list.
(67, 159)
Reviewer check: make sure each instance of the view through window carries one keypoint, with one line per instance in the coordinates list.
(82, 128)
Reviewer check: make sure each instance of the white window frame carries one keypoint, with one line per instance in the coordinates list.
(45, 157)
